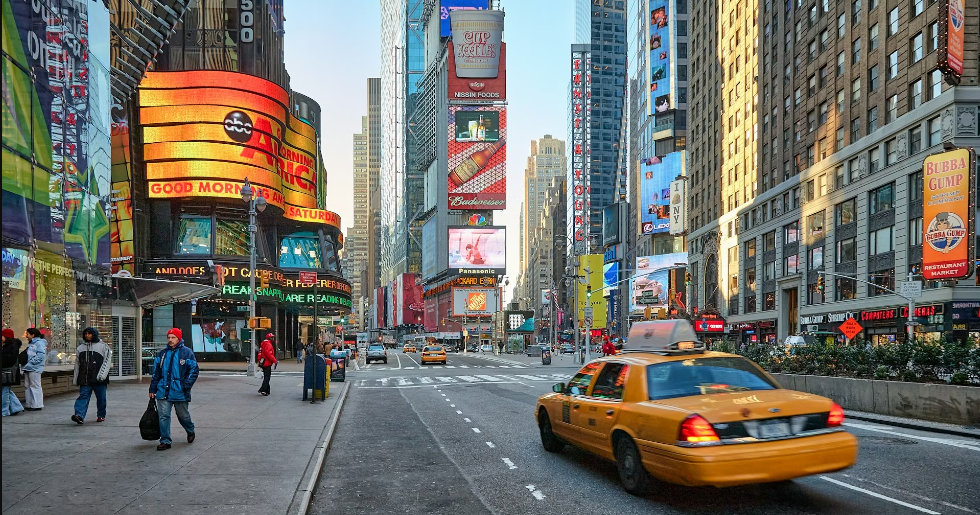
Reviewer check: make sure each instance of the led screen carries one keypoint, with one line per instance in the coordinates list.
(477, 250)
(477, 168)
(656, 174)
(445, 28)
(650, 286)
(477, 126)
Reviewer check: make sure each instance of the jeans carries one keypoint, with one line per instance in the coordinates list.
(266, 375)
(183, 416)
(11, 404)
(33, 396)
(85, 395)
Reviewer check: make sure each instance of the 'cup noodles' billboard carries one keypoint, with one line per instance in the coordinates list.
(476, 42)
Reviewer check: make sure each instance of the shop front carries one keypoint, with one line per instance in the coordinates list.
(710, 327)
(889, 325)
(767, 331)
(964, 319)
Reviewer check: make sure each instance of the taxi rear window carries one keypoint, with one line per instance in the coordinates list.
(432, 349)
(703, 376)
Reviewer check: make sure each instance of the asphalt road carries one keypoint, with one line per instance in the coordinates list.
(461, 439)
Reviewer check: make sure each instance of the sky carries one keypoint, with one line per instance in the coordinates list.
(333, 46)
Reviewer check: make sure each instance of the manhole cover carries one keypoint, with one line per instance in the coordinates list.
(888, 440)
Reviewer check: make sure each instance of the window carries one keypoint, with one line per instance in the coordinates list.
(846, 289)
(579, 383)
(933, 37)
(915, 94)
(813, 14)
(824, 75)
(881, 198)
(839, 177)
(815, 258)
(609, 384)
(891, 152)
(873, 78)
(769, 299)
(915, 140)
(856, 51)
(811, 120)
(676, 379)
(300, 250)
(891, 109)
(813, 51)
(750, 248)
(841, 25)
(893, 64)
(915, 186)
(824, 149)
(796, 198)
(872, 4)
(915, 48)
(918, 6)
(856, 12)
(874, 158)
(844, 212)
(815, 225)
(839, 142)
(840, 101)
(856, 90)
(791, 233)
(855, 129)
(883, 278)
(769, 241)
(846, 250)
(791, 264)
(840, 64)
(194, 235)
(935, 128)
(808, 191)
(915, 232)
(880, 241)
(824, 40)
(873, 38)
(797, 96)
(935, 84)
(893, 22)
(816, 295)
(231, 238)
(872, 119)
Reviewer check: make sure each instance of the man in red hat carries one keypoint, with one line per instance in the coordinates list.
(266, 359)
(608, 349)
(174, 373)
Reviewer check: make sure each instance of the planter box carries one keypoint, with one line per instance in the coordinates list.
(924, 401)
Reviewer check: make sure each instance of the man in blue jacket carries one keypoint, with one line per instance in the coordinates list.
(174, 373)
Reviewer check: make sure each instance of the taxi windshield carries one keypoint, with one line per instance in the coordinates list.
(432, 349)
(703, 376)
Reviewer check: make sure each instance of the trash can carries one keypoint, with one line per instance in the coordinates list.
(338, 366)
(545, 356)
(316, 377)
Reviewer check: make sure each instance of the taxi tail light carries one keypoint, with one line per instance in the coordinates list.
(696, 430)
(836, 416)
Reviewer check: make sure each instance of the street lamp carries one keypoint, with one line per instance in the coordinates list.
(254, 203)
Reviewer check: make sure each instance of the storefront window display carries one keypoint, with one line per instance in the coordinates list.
(301, 250)
(231, 238)
(194, 236)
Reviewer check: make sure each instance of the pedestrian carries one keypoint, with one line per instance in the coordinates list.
(92, 363)
(174, 373)
(608, 349)
(299, 352)
(36, 353)
(12, 361)
(267, 360)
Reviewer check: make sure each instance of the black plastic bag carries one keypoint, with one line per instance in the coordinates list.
(150, 422)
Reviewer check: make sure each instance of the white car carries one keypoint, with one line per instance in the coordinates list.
(486, 347)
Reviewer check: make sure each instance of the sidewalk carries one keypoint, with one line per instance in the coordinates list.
(252, 454)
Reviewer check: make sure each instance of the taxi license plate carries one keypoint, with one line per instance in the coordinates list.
(774, 430)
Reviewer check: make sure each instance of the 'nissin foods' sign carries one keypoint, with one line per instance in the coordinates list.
(204, 132)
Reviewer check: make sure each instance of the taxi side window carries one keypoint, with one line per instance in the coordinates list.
(579, 383)
(609, 384)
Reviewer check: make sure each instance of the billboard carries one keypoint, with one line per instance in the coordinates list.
(478, 89)
(578, 175)
(612, 223)
(379, 307)
(656, 174)
(678, 206)
(952, 21)
(659, 62)
(519, 321)
(121, 214)
(430, 246)
(445, 6)
(478, 167)
(594, 280)
(475, 301)
(410, 308)
(476, 42)
(651, 286)
(610, 276)
(477, 250)
(948, 212)
(204, 132)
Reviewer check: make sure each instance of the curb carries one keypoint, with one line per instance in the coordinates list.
(304, 494)
(918, 427)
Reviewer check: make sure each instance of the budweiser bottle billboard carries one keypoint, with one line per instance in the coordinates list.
(476, 42)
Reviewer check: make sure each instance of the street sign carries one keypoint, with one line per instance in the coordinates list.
(588, 321)
(588, 312)
(307, 277)
(910, 289)
(851, 328)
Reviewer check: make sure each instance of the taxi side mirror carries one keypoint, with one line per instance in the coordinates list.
(558, 387)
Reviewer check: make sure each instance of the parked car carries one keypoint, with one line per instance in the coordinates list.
(567, 348)
(534, 350)
(376, 352)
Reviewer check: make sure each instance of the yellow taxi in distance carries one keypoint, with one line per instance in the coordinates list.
(433, 354)
(409, 348)
(670, 410)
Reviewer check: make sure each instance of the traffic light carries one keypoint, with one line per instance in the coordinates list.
(343, 320)
(820, 284)
(687, 278)
(661, 314)
(263, 280)
(588, 291)
(647, 313)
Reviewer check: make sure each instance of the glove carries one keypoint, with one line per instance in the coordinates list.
(275, 365)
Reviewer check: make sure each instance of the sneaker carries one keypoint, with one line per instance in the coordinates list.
(76, 419)
(100, 419)
(266, 394)
(33, 409)
(191, 437)
(163, 446)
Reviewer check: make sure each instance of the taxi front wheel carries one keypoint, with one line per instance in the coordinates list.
(549, 440)
(634, 477)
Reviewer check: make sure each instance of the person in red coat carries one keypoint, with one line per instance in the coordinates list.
(608, 349)
(266, 359)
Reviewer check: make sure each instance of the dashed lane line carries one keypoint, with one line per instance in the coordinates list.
(466, 420)
(476, 429)
(536, 493)
(510, 464)
(490, 445)
(879, 496)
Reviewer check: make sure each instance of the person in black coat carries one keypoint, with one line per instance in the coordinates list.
(12, 361)
(92, 364)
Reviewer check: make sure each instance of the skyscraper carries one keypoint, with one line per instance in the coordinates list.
(356, 246)
(545, 162)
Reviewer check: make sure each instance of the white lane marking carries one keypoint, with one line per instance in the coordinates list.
(910, 494)
(490, 378)
(453, 406)
(425, 380)
(510, 464)
(443, 395)
(536, 493)
(490, 445)
(879, 496)
(463, 366)
(476, 430)
(409, 368)
(963, 444)
(469, 379)
(384, 381)
(409, 356)
(403, 381)
(459, 412)
(356, 367)
(466, 420)
(447, 400)
(450, 366)
(399, 362)
(444, 379)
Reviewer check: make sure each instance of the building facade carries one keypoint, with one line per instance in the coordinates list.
(545, 162)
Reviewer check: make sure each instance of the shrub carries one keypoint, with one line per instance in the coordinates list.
(882, 372)
(959, 378)
(927, 360)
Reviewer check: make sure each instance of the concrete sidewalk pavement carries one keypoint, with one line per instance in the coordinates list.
(252, 454)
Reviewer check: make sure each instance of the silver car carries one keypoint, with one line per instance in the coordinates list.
(376, 353)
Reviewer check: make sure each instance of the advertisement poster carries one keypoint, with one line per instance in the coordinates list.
(478, 89)
(477, 249)
(594, 279)
(121, 217)
(610, 276)
(411, 307)
(678, 207)
(658, 71)
(650, 286)
(475, 301)
(477, 157)
(445, 6)
(476, 41)
(952, 21)
(656, 174)
(578, 197)
(611, 224)
(948, 213)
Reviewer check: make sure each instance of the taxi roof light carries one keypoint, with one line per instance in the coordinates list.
(695, 430)
(836, 416)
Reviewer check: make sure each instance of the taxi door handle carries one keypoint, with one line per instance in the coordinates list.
(575, 406)
(609, 412)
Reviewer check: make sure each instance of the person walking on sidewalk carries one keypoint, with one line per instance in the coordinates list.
(174, 373)
(12, 361)
(267, 359)
(36, 352)
(92, 363)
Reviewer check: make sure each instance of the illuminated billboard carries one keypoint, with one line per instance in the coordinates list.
(477, 167)
(578, 198)
(475, 301)
(204, 132)
(948, 214)
(658, 63)
(476, 42)
(610, 276)
(656, 174)
(445, 6)
(121, 214)
(594, 281)
(952, 32)
(477, 250)
(651, 285)
(478, 89)
(409, 298)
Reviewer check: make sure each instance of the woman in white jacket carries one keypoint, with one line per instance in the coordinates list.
(37, 348)
(92, 364)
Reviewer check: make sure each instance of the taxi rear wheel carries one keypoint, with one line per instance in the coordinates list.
(549, 440)
(634, 477)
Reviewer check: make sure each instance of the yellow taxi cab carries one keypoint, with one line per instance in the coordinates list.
(433, 354)
(409, 348)
(667, 409)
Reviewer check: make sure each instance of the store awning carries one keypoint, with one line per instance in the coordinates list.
(150, 293)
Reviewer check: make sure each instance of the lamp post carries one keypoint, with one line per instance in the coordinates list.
(255, 202)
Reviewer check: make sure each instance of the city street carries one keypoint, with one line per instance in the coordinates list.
(461, 438)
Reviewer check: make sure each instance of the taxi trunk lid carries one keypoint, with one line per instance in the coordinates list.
(751, 405)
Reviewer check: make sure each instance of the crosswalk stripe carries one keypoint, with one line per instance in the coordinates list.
(490, 378)
(444, 379)
(425, 380)
(450, 366)
(403, 381)
(469, 379)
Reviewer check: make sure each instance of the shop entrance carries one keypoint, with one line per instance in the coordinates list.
(791, 301)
